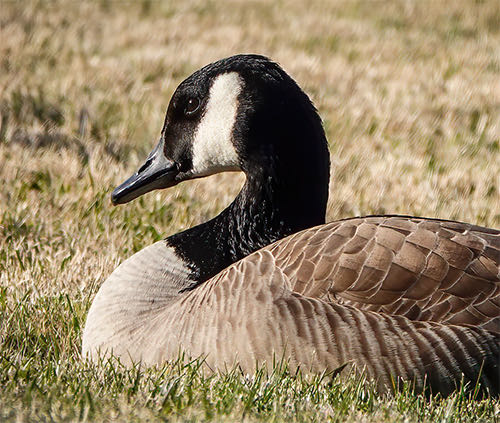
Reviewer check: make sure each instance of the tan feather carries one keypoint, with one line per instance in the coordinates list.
(321, 298)
(430, 270)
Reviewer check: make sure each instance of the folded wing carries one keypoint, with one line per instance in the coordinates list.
(423, 269)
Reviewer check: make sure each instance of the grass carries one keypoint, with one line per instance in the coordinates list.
(410, 97)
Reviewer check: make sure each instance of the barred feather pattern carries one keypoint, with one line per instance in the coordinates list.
(398, 298)
(423, 269)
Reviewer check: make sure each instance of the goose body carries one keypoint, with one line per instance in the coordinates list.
(395, 296)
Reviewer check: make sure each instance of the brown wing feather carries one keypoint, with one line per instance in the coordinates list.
(424, 269)
(250, 315)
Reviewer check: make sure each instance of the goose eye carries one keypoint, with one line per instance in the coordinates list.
(192, 106)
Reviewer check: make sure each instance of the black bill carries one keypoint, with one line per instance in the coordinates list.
(156, 173)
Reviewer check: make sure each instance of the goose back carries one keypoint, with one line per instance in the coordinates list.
(293, 300)
(424, 269)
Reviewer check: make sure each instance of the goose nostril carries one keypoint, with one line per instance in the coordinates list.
(146, 164)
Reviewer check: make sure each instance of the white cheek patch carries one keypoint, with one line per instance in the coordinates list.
(213, 150)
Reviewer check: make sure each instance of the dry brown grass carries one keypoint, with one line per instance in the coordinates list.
(409, 92)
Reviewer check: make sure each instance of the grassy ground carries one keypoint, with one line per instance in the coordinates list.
(410, 96)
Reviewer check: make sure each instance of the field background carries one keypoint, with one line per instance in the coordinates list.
(409, 92)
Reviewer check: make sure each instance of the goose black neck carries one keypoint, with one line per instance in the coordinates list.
(286, 190)
(257, 217)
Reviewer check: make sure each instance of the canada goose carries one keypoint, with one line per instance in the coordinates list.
(398, 296)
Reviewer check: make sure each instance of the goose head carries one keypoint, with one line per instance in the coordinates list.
(242, 113)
